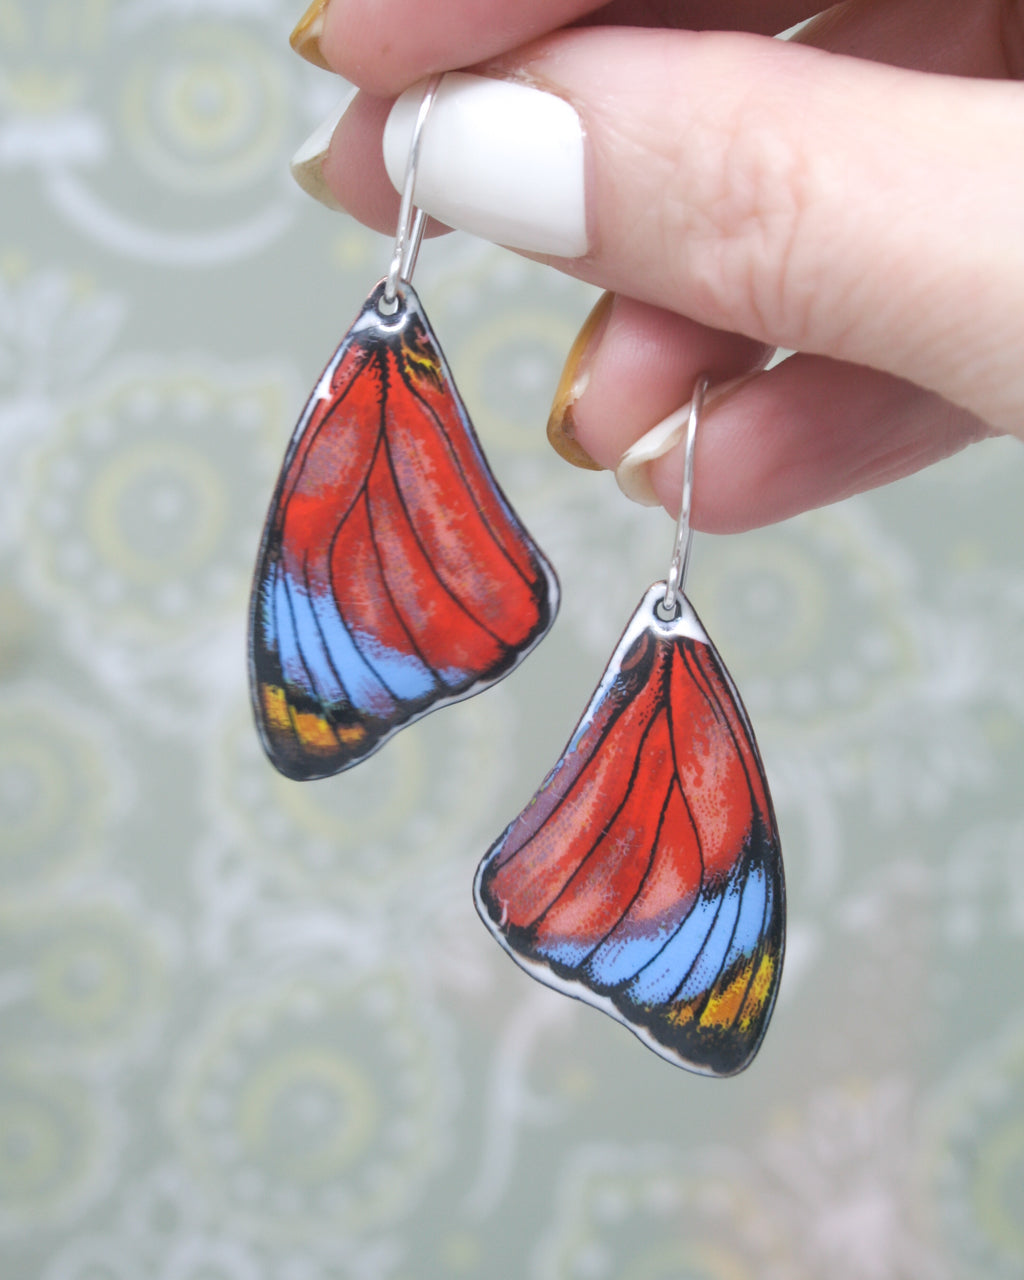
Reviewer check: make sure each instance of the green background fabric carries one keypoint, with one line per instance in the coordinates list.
(252, 1029)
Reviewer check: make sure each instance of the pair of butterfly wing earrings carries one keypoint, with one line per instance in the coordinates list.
(393, 577)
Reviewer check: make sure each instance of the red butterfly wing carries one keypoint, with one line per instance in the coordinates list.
(393, 576)
(645, 876)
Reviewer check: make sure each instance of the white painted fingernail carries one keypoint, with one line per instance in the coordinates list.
(633, 474)
(308, 161)
(497, 159)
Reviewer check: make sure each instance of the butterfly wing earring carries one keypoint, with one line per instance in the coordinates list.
(645, 876)
(393, 576)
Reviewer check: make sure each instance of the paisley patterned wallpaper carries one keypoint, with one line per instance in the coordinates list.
(252, 1029)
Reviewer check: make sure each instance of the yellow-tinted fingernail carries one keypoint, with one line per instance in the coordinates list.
(572, 384)
(305, 39)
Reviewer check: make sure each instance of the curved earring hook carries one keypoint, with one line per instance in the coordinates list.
(411, 221)
(676, 580)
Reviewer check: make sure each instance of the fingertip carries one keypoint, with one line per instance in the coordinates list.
(633, 474)
(307, 164)
(807, 433)
(382, 52)
(353, 167)
(385, 47)
(642, 366)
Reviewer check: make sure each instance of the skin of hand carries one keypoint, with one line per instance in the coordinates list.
(853, 195)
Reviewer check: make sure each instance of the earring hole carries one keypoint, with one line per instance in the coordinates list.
(666, 612)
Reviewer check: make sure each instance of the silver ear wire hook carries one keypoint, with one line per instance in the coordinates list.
(411, 220)
(676, 580)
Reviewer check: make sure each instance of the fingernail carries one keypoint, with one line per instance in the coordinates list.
(305, 39)
(633, 474)
(308, 161)
(572, 384)
(497, 159)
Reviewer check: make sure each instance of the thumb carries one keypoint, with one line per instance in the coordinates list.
(803, 199)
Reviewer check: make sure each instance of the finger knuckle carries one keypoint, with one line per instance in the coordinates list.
(755, 186)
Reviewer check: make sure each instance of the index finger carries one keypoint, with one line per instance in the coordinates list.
(383, 46)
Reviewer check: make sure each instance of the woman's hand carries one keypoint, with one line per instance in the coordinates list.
(743, 193)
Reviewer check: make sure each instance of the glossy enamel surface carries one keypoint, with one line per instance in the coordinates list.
(393, 576)
(645, 876)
